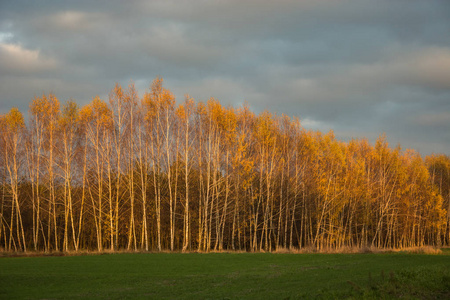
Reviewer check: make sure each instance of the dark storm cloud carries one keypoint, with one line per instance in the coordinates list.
(358, 67)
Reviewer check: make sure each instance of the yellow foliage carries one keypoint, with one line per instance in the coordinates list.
(69, 114)
(14, 120)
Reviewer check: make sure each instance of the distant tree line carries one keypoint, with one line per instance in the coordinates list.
(147, 174)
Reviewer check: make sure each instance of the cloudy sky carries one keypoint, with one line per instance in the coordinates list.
(358, 67)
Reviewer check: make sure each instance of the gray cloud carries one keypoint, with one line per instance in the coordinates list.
(359, 67)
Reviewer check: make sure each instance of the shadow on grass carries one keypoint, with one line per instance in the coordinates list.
(422, 283)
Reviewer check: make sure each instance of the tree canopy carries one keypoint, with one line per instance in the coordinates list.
(152, 174)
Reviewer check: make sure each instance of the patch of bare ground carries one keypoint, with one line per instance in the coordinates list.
(351, 250)
(343, 250)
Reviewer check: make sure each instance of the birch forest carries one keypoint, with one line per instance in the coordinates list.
(148, 174)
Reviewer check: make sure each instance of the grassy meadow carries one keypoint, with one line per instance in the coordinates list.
(226, 276)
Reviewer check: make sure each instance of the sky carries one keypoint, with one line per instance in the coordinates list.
(358, 67)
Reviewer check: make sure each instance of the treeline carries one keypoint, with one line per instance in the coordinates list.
(148, 174)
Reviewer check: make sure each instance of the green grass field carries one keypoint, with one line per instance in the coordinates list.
(226, 276)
